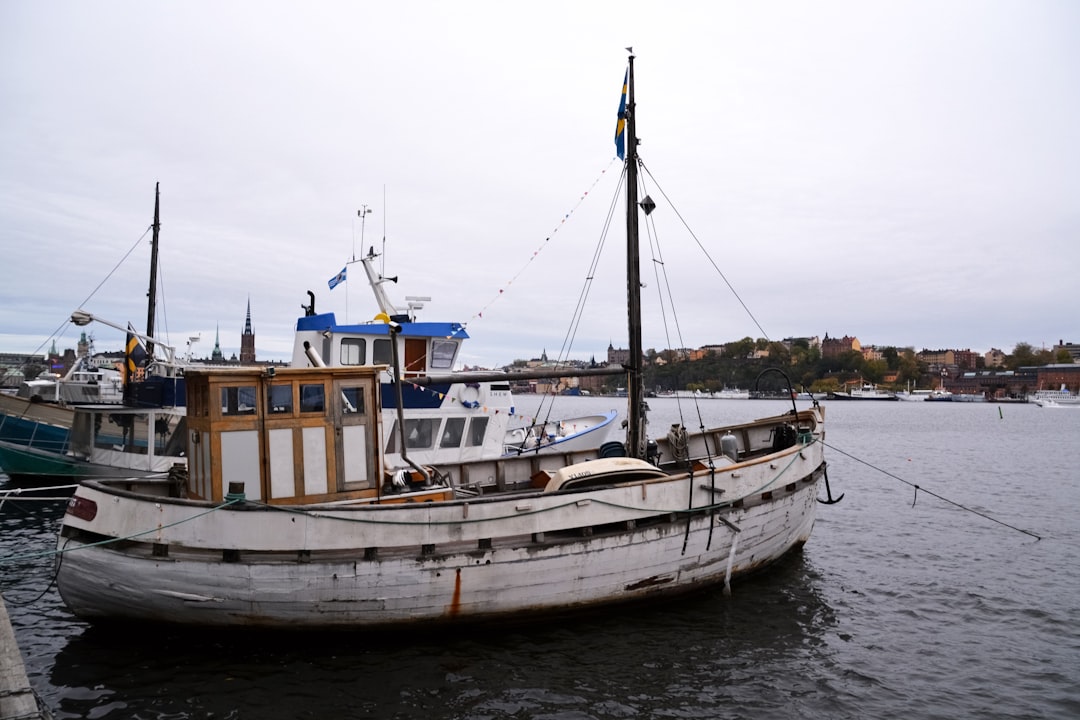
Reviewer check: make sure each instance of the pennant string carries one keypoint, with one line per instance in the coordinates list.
(562, 221)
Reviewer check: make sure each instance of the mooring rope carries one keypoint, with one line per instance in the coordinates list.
(918, 487)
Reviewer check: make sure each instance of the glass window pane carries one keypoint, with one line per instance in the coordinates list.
(312, 398)
(418, 433)
(381, 353)
(352, 400)
(238, 400)
(477, 428)
(353, 351)
(442, 354)
(392, 444)
(279, 399)
(452, 433)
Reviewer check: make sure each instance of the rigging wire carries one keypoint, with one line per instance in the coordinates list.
(57, 332)
(579, 310)
(164, 313)
(707, 255)
(663, 287)
(581, 199)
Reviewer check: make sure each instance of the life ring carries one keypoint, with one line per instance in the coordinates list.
(470, 395)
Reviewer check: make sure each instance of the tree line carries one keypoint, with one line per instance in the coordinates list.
(742, 363)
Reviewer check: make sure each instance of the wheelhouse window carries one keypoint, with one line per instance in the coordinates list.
(477, 430)
(442, 354)
(381, 353)
(419, 434)
(452, 433)
(352, 401)
(279, 399)
(353, 351)
(312, 398)
(238, 400)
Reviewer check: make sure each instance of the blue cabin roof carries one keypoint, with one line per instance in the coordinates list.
(327, 321)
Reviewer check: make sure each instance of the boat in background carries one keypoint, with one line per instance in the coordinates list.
(732, 394)
(967, 397)
(913, 395)
(141, 436)
(1061, 397)
(866, 391)
(146, 398)
(940, 395)
(292, 515)
(466, 418)
(909, 395)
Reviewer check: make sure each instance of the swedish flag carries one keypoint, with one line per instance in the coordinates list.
(620, 127)
(134, 356)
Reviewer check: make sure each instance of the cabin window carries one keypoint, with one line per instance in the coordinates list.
(452, 432)
(477, 430)
(239, 400)
(381, 353)
(442, 354)
(419, 433)
(312, 398)
(353, 351)
(352, 400)
(279, 399)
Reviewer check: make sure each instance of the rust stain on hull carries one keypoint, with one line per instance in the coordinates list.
(455, 602)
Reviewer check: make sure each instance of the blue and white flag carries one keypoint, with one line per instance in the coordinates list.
(337, 279)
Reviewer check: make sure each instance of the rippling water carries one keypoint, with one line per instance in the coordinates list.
(924, 611)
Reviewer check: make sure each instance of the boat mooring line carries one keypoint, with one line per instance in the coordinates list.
(918, 487)
(53, 553)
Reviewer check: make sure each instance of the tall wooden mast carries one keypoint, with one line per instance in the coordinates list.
(635, 438)
(152, 292)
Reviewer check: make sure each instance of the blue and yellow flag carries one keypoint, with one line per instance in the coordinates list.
(620, 128)
(134, 356)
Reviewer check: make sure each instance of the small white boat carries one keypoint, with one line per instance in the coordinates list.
(910, 395)
(1055, 398)
(579, 433)
(866, 391)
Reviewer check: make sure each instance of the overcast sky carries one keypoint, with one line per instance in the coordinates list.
(904, 172)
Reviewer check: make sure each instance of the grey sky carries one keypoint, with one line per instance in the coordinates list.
(904, 172)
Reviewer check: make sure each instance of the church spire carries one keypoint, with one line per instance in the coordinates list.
(216, 357)
(247, 340)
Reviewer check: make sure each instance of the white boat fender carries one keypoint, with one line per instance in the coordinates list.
(729, 445)
(471, 395)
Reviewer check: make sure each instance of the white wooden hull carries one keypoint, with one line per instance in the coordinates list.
(434, 562)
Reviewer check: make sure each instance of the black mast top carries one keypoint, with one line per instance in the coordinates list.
(635, 438)
(152, 292)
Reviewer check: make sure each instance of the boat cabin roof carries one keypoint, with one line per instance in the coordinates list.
(327, 322)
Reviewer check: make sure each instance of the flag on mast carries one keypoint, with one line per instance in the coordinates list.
(620, 127)
(337, 279)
